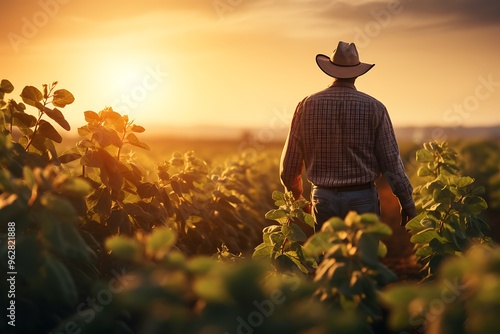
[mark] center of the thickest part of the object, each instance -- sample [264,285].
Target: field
[119,232]
[400,256]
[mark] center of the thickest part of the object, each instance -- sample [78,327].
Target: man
[346,140]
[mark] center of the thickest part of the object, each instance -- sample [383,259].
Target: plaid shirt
[344,137]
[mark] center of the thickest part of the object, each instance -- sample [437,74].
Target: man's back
[338,129]
[346,140]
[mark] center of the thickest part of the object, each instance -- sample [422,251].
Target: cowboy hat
[344,62]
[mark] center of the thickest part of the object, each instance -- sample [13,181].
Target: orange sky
[242,63]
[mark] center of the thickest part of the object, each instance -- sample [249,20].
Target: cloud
[319,18]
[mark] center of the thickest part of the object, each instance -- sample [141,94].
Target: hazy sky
[249,62]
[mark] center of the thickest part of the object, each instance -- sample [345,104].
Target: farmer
[346,140]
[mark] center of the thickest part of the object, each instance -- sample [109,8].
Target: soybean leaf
[6,86]
[133,140]
[69,157]
[47,130]
[104,136]
[147,190]
[137,128]
[277,215]
[57,116]
[278,195]
[75,186]
[424,156]
[159,242]
[124,248]
[100,201]
[62,97]
[31,95]
[91,116]
[23,120]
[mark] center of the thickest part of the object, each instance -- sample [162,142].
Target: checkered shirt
[343,137]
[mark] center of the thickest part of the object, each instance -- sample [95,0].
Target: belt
[347,188]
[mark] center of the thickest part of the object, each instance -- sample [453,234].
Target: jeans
[327,203]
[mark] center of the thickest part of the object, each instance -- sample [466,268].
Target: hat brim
[341,72]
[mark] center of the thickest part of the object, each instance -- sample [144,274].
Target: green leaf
[113,119]
[424,155]
[133,140]
[6,86]
[100,201]
[137,128]
[474,205]
[309,219]
[424,236]
[145,218]
[62,97]
[318,243]
[284,263]
[278,195]
[159,242]
[426,250]
[262,251]
[465,181]
[69,157]
[295,233]
[104,136]
[334,224]
[31,95]
[75,187]
[23,120]
[59,206]
[147,190]
[275,214]
[124,248]
[47,130]
[368,246]
[424,171]
[176,187]
[57,116]
[382,249]
[119,222]
[91,116]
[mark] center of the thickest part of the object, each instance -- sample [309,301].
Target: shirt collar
[343,84]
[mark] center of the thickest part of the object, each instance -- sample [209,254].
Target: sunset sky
[247,63]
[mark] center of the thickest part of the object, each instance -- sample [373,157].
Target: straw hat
[344,62]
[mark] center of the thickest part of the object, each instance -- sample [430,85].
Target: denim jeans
[327,203]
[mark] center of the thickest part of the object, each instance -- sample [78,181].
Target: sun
[124,74]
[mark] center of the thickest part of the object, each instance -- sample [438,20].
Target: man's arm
[392,167]
[292,160]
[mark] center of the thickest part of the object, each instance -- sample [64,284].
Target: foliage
[169,293]
[121,201]
[100,247]
[37,132]
[55,266]
[350,273]
[463,298]
[41,205]
[451,205]
[481,160]
[208,209]
[282,244]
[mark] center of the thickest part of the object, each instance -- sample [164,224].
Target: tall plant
[451,206]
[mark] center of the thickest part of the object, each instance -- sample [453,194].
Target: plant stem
[34,131]
[120,148]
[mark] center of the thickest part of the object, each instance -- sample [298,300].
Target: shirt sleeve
[292,159]
[390,163]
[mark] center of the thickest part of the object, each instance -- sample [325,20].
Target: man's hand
[407,215]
